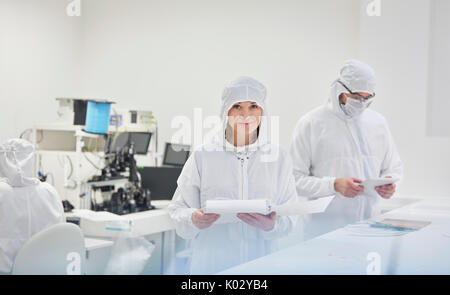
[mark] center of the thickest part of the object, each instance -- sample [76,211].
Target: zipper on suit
[242,179]
[244,196]
[242,250]
[244,165]
[358,148]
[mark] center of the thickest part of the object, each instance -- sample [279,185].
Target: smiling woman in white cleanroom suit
[238,164]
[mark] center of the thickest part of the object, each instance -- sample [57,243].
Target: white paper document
[370,184]
[264,206]
[319,205]
[261,206]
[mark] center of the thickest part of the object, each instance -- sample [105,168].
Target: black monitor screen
[176,154]
[161,181]
[141,141]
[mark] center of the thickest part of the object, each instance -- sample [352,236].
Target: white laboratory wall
[39,60]
[173,56]
[168,56]
[396,44]
[439,75]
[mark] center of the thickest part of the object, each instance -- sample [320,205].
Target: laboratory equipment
[175,154]
[67,153]
[141,141]
[161,181]
[80,109]
[97,116]
[72,110]
[121,166]
[131,119]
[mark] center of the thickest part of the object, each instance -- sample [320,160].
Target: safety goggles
[356,95]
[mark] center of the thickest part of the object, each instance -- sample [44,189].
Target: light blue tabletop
[354,249]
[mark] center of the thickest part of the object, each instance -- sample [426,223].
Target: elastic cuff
[188,217]
[332,180]
[195,230]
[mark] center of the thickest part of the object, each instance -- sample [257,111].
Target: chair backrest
[57,250]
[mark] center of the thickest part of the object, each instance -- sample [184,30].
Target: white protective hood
[240,90]
[358,77]
[16,162]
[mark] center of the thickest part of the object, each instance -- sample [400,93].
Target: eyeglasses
[356,95]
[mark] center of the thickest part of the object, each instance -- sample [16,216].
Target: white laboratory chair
[57,250]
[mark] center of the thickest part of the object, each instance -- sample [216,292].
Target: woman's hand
[264,222]
[202,220]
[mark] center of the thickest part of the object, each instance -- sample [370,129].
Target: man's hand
[386,191]
[264,222]
[202,220]
[347,187]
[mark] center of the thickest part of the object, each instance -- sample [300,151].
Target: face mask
[354,107]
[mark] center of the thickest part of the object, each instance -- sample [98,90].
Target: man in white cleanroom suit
[27,206]
[221,170]
[340,144]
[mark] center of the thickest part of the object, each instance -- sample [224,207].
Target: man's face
[344,96]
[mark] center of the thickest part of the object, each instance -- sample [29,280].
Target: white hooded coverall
[327,144]
[27,206]
[218,170]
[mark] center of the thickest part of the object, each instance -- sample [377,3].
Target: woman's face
[245,116]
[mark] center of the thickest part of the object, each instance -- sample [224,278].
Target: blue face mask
[354,108]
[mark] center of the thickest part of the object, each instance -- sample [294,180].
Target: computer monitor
[161,181]
[176,154]
[141,141]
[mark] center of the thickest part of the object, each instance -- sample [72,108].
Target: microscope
[130,198]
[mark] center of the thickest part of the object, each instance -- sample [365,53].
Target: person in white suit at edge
[239,163]
[340,144]
[27,206]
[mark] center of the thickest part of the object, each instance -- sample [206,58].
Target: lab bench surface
[155,225]
[94,224]
[353,251]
